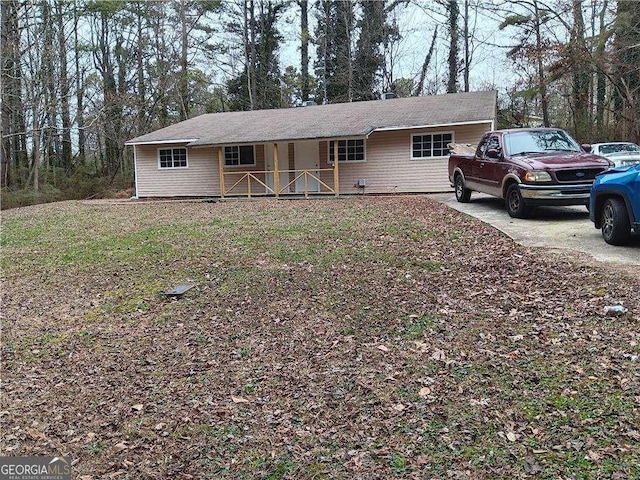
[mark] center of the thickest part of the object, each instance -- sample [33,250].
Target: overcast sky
[417,24]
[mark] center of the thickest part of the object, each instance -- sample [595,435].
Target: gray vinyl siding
[199,179]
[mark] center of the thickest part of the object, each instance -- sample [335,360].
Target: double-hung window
[351,150]
[172,157]
[239,155]
[427,145]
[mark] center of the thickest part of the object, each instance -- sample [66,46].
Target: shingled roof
[356,119]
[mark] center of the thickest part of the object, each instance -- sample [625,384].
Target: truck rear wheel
[616,228]
[463,194]
[514,202]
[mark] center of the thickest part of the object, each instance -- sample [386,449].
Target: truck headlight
[537,177]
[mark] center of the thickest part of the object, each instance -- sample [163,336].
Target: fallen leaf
[383,348]
[36,435]
[399,407]
[239,399]
[424,391]
[512,436]
[137,407]
[438,355]
[594,456]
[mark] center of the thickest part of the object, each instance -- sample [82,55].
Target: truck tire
[463,194]
[514,202]
[616,227]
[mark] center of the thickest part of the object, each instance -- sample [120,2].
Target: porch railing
[247,177]
[243,185]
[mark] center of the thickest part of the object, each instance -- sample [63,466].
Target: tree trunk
[544,100]
[601,82]
[184,64]
[427,60]
[253,57]
[626,71]
[141,81]
[581,76]
[79,90]
[467,53]
[36,156]
[49,135]
[10,88]
[65,114]
[453,10]
[304,49]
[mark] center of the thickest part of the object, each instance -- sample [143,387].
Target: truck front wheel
[463,194]
[514,203]
[616,228]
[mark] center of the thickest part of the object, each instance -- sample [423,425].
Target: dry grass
[353,338]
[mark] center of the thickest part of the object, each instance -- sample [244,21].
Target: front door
[283,164]
[306,158]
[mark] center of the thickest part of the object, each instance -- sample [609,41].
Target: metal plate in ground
[178,290]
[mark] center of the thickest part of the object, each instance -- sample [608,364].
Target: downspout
[336,176]
[276,171]
[220,172]
[135,171]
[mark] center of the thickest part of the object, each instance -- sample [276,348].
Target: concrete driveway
[566,229]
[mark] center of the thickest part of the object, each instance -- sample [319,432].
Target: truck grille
[578,175]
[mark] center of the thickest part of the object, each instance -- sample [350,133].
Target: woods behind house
[79,78]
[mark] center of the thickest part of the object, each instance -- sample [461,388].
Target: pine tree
[368,57]
[334,65]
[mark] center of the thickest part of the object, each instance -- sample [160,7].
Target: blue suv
[614,205]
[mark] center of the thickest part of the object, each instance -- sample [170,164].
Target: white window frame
[173,167]
[238,146]
[330,149]
[422,134]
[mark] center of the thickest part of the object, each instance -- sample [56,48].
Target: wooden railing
[243,186]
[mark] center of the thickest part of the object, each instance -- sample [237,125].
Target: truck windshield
[539,141]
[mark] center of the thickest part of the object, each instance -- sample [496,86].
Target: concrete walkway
[566,229]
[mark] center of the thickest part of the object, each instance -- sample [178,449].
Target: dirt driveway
[566,229]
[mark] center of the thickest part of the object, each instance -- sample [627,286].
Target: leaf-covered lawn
[352,338]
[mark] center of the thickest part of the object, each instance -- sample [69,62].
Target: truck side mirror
[493,153]
[586,147]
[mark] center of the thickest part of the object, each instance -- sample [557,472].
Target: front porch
[274,180]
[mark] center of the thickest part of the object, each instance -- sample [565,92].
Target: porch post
[221,171]
[276,172]
[336,177]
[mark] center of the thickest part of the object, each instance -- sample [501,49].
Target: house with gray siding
[386,146]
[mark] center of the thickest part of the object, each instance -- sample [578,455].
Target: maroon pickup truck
[527,167]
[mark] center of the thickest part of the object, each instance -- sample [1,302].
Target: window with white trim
[351,150]
[172,157]
[239,155]
[427,145]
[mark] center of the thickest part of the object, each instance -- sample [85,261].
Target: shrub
[28,196]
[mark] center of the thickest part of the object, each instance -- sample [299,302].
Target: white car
[620,153]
